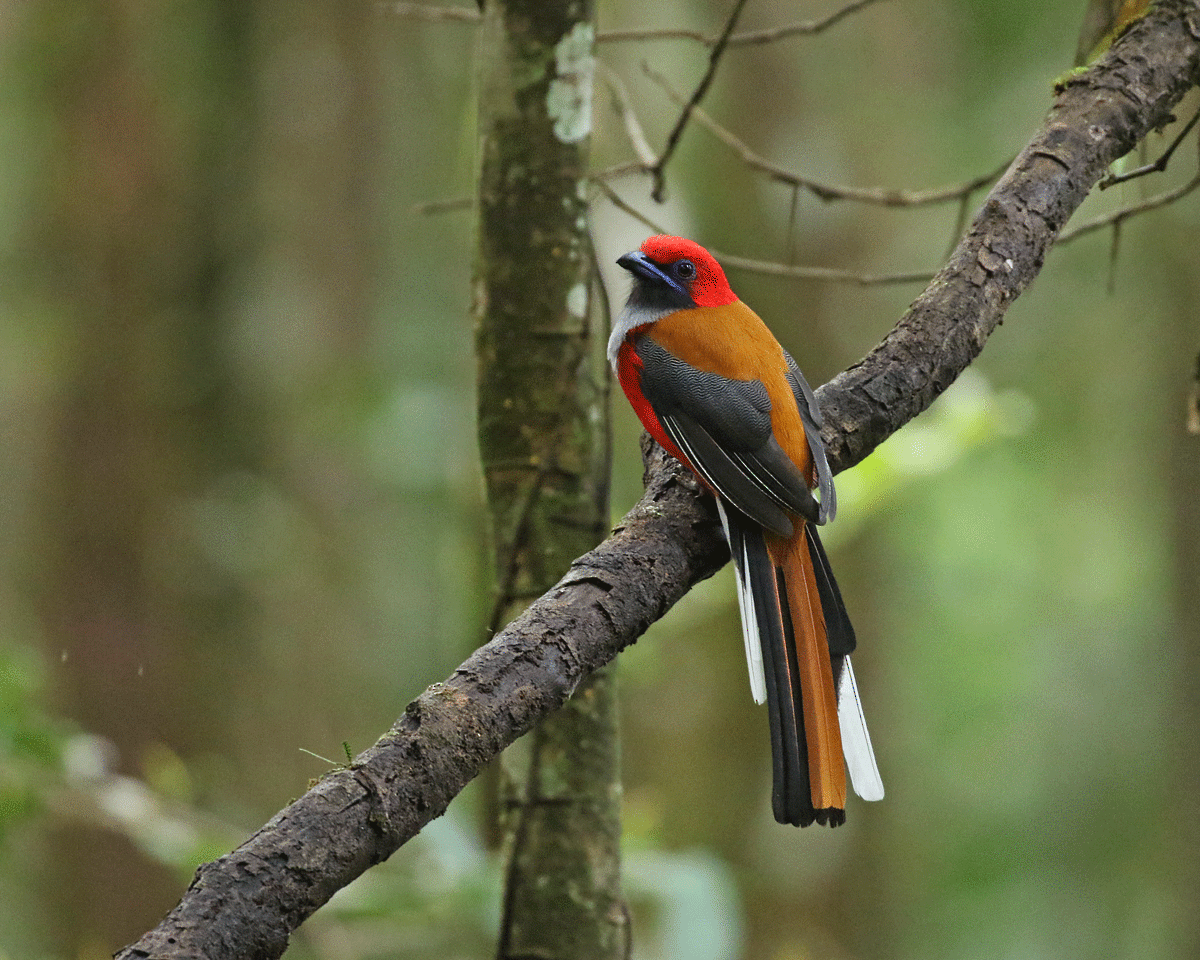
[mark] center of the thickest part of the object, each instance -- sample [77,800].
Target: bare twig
[615,199]
[506,597]
[960,221]
[750,37]
[793,218]
[1158,166]
[624,108]
[1119,216]
[774,269]
[618,170]
[820,273]
[714,59]
[882,196]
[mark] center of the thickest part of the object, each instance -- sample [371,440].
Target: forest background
[240,507]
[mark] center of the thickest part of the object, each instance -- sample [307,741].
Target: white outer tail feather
[856,742]
[754,657]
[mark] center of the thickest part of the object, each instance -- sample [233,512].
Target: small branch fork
[648,163]
[1117,217]
[1158,166]
[657,170]
[422,11]
[880,196]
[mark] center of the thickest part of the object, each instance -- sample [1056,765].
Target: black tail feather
[791,794]
[839,631]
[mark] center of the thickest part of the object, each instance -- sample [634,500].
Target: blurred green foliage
[30,739]
[239,502]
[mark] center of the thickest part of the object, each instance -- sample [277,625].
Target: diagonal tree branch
[1099,116]
[246,903]
[748,38]
[882,196]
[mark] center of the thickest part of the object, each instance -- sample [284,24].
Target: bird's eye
[685,270]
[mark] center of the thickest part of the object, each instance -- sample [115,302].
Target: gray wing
[723,427]
[810,414]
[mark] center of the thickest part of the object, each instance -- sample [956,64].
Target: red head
[669,274]
[682,266]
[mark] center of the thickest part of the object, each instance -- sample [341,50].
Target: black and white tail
[798,644]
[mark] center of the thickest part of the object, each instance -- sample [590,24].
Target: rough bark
[543,435]
[246,903]
[1099,116]
[562,894]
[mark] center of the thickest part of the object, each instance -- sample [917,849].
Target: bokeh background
[240,519]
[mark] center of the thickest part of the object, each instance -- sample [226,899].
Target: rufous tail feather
[826,770]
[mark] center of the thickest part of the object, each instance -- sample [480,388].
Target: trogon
[711,384]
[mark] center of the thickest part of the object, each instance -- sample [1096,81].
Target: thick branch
[1098,117]
[247,903]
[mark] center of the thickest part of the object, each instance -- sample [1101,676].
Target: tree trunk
[544,442]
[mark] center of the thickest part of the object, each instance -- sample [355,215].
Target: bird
[713,386]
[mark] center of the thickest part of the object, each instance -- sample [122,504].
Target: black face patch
[655,296]
[656,288]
